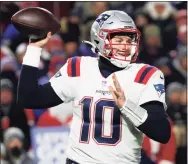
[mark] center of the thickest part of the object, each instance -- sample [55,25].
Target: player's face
[121,46]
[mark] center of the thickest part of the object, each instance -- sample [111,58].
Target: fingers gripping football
[117,93]
[41,43]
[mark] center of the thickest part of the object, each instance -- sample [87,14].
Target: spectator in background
[178,67]
[86,19]
[83,11]
[180,63]
[23,5]
[173,98]
[9,32]
[176,98]
[176,105]
[162,14]
[9,66]
[181,23]
[179,4]
[97,8]
[152,46]
[141,20]
[10,36]
[175,67]
[71,49]
[55,46]
[70,33]
[80,11]
[20,52]
[7,9]
[130,7]
[55,64]
[10,113]
[14,143]
[44,63]
[3,154]
[183,102]
[6,52]
[85,50]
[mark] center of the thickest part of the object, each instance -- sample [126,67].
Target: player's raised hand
[41,43]
[117,93]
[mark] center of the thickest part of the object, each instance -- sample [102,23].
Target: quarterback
[115,101]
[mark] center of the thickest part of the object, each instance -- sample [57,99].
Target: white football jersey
[99,134]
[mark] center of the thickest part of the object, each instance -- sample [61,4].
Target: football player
[115,101]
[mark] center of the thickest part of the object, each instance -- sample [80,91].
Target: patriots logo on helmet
[159,88]
[102,18]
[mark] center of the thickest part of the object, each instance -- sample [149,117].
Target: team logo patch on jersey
[159,88]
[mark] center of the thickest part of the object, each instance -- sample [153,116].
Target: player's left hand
[117,93]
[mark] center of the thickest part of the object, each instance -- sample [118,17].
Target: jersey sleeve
[63,82]
[154,89]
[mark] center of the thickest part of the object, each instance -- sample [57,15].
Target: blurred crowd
[163,26]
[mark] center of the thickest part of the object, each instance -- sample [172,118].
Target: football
[35,22]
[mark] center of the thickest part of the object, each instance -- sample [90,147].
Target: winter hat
[12,133]
[6,84]
[173,87]
[152,30]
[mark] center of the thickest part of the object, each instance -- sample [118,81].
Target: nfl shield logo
[104,83]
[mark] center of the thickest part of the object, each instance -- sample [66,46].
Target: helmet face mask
[128,51]
[116,24]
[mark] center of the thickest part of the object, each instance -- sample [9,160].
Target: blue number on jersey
[86,118]
[98,113]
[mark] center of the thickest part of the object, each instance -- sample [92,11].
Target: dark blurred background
[163,44]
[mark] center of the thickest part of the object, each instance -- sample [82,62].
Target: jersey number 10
[96,125]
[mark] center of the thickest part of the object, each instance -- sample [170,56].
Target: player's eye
[129,40]
[118,40]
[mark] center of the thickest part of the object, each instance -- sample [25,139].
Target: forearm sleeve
[32,95]
[157,125]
